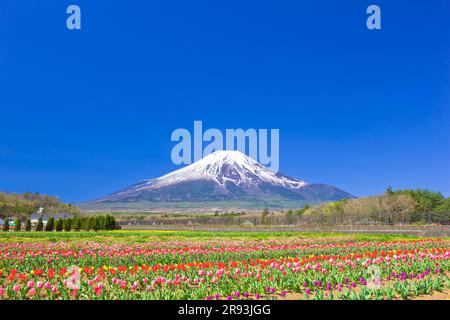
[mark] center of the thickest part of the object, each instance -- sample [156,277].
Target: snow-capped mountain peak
[223,175]
[224,165]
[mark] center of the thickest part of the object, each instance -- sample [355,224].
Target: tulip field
[199,266]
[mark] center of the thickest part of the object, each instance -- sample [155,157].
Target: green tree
[302,210]
[87,222]
[426,201]
[76,224]
[264,215]
[96,224]
[59,225]
[17,225]
[28,225]
[67,225]
[6,225]
[444,207]
[101,222]
[50,224]
[39,225]
[110,223]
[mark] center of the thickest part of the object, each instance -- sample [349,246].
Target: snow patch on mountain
[220,167]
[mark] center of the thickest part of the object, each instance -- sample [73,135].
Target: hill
[12,204]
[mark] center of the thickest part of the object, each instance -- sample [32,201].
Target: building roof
[36,216]
[64,215]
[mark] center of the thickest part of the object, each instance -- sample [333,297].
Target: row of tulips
[332,268]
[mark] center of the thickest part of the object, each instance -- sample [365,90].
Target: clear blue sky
[84,113]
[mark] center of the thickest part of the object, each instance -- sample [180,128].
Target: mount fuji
[225,176]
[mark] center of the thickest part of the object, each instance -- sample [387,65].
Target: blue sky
[84,113]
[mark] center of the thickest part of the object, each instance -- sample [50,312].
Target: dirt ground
[444,295]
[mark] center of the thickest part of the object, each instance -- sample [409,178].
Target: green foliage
[426,201]
[110,223]
[392,207]
[94,223]
[444,207]
[6,225]
[77,224]
[28,225]
[28,203]
[50,224]
[104,222]
[17,225]
[39,225]
[59,225]
[302,210]
[67,224]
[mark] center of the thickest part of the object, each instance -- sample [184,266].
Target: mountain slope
[225,176]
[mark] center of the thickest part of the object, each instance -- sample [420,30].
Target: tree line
[95,223]
[392,207]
